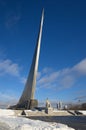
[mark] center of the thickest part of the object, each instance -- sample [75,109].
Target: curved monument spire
[27,99]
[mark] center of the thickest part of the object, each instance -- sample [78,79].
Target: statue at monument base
[48,108]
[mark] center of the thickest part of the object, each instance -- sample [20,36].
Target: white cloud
[23,80]
[49,78]
[62,79]
[46,70]
[38,75]
[12,69]
[8,67]
[67,81]
[6,96]
[80,67]
[7,99]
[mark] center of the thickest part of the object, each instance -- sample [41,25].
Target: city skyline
[62,62]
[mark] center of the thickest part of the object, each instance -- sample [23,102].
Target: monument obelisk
[27,100]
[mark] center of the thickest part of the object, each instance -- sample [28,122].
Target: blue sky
[62,64]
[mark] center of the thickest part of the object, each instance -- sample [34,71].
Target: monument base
[32,103]
[49,110]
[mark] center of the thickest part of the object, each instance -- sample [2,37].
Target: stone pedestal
[30,104]
[49,110]
[33,104]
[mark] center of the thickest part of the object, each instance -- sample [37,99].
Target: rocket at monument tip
[42,19]
[43,13]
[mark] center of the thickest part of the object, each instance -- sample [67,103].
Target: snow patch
[83,112]
[10,122]
[21,123]
[6,112]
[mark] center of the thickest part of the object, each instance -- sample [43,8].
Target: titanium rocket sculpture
[27,100]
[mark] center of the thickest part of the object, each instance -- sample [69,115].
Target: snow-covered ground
[83,112]
[6,112]
[8,121]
